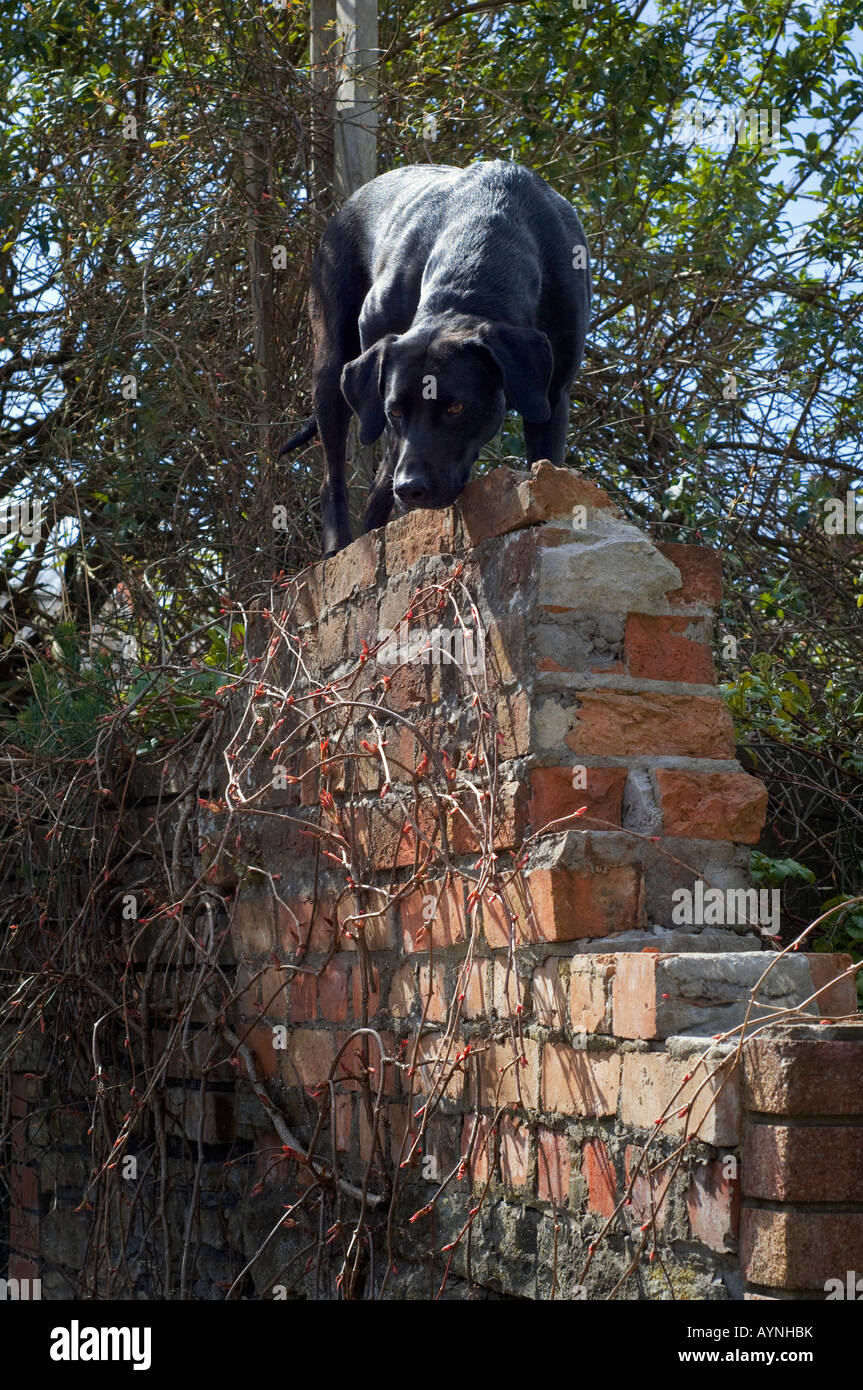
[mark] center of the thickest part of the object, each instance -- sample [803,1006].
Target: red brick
[579,1083]
[478,1164]
[304,597]
[260,1043]
[433,1062]
[375,922]
[374,990]
[500,1082]
[712,805]
[803,1164]
[657,649]
[304,922]
[507,990]
[610,723]
[553,797]
[700,570]
[713,1206]
[839,998]
[803,1076]
[433,992]
[435,912]
[271,1163]
[343,1109]
[420,533]
[634,995]
[477,997]
[23,1232]
[514,1147]
[24,1183]
[252,923]
[504,500]
[799,1249]
[549,995]
[275,984]
[21,1269]
[364,1132]
[512,722]
[553,1167]
[570,904]
[590,984]
[598,1171]
[467,831]
[304,998]
[403,991]
[653,1083]
[333,991]
[649,1192]
[352,570]
[351,1061]
[309,1057]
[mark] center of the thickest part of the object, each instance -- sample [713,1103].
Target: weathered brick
[333,991]
[649,1192]
[514,1150]
[261,1043]
[419,533]
[475,1138]
[403,991]
[613,723]
[304,998]
[799,1249]
[477,995]
[834,999]
[553,797]
[308,1058]
[432,988]
[590,984]
[352,570]
[505,500]
[713,1206]
[549,996]
[803,1075]
[811,1163]
[571,904]
[579,1083]
[553,1167]
[434,913]
[373,986]
[659,649]
[653,1082]
[598,1171]
[712,805]
[499,1081]
[507,990]
[24,1184]
[432,1062]
[305,922]
[701,572]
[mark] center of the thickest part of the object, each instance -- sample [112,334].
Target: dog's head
[441,391]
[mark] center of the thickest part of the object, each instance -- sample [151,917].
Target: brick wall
[447,895]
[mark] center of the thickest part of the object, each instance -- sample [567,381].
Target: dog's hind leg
[336,340]
[548,441]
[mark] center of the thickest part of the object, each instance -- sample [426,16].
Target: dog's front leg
[548,441]
[380,502]
[333,417]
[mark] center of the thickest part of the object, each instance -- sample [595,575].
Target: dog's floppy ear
[524,358]
[362,388]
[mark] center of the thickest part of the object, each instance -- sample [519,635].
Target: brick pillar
[802,1225]
[24,1196]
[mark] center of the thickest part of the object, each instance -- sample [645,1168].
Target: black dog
[439,297]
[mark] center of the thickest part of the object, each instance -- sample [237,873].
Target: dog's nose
[412,492]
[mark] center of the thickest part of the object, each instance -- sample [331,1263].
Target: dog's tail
[309,430]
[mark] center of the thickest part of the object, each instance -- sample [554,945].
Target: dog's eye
[395,412]
[455,408]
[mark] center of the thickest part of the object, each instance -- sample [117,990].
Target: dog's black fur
[440,297]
